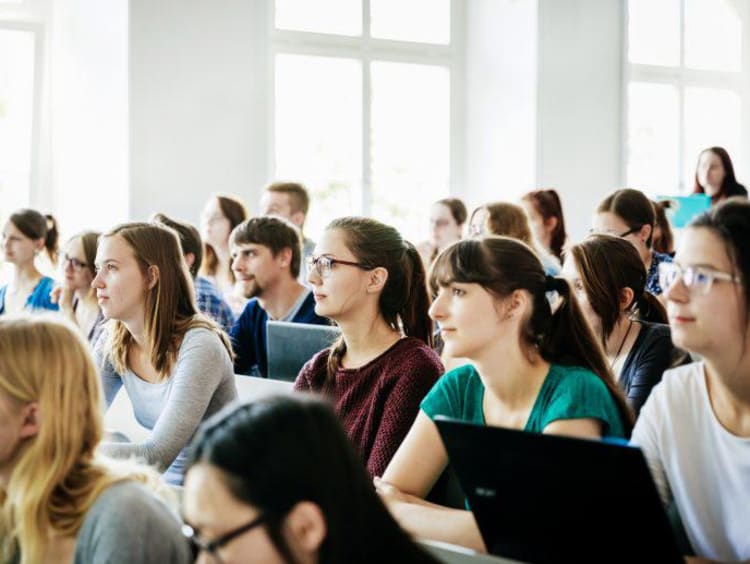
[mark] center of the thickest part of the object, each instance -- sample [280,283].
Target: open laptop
[685,208]
[291,345]
[547,498]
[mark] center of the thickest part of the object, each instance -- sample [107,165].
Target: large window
[685,89]
[362,106]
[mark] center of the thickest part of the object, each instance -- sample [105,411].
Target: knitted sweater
[378,402]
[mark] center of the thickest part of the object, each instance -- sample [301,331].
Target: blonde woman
[174,363]
[59,500]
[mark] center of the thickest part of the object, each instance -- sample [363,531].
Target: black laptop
[547,498]
[291,345]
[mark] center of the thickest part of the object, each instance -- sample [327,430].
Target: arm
[201,363]
[241,336]
[648,372]
[587,428]
[111,380]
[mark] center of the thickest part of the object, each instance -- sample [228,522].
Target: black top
[652,354]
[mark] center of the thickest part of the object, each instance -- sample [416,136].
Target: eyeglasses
[198,544]
[323,265]
[697,279]
[74,262]
[621,235]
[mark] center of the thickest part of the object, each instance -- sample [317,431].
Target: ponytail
[51,240]
[415,318]
[651,309]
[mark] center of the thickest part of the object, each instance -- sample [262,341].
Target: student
[220,215]
[76,298]
[60,500]
[608,278]
[695,427]
[510,220]
[307,499]
[175,363]
[372,284]
[629,214]
[530,369]
[25,235]
[546,217]
[291,201]
[266,262]
[714,176]
[447,219]
[663,238]
[209,299]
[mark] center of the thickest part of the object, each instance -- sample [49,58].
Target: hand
[63,297]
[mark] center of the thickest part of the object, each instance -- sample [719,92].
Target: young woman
[175,363]
[546,217]
[220,215]
[714,176]
[663,238]
[307,499]
[530,369]
[76,297]
[61,501]
[372,284]
[629,214]
[26,234]
[695,427]
[608,278]
[510,220]
[447,218]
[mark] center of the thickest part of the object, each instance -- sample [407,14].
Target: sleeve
[401,406]
[646,436]
[201,364]
[444,398]
[111,380]
[653,360]
[224,316]
[241,335]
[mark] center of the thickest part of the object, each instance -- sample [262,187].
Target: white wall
[579,103]
[198,119]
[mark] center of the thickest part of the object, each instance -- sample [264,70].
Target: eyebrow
[699,265]
[105,261]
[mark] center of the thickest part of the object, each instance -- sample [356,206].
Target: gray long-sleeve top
[201,383]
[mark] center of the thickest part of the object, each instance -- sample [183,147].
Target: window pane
[712,118]
[426,21]
[712,35]
[654,32]
[318,130]
[16,116]
[410,143]
[653,138]
[340,17]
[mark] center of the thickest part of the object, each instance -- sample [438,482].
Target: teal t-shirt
[568,392]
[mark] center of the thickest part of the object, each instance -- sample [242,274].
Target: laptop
[291,345]
[685,208]
[547,498]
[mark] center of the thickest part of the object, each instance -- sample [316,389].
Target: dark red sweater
[378,402]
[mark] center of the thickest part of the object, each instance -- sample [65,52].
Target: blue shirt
[39,298]
[652,280]
[248,334]
[212,304]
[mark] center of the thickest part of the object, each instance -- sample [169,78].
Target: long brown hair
[502,265]
[633,207]
[170,307]
[37,226]
[729,186]
[547,204]
[664,243]
[236,213]
[404,301]
[607,265]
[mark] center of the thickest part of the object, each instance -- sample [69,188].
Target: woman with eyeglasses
[174,363]
[447,218]
[629,214]
[694,429]
[26,234]
[371,282]
[546,218]
[609,280]
[76,298]
[306,499]
[60,499]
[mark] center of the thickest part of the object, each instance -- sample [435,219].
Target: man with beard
[266,260]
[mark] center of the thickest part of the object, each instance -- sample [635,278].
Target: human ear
[30,424]
[152,276]
[306,525]
[378,278]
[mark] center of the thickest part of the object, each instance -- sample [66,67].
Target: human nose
[437,308]
[97,282]
[676,290]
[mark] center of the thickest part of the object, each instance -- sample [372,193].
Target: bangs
[461,262]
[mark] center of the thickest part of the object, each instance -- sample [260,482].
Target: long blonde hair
[57,475]
[170,307]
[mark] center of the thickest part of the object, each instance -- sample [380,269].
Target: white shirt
[697,463]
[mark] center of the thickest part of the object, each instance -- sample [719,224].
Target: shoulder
[201,336]
[680,387]
[655,334]
[566,379]
[658,258]
[46,284]
[312,374]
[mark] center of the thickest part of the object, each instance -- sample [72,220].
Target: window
[362,106]
[684,90]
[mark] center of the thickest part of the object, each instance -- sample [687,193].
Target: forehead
[700,245]
[113,247]
[609,220]
[710,157]
[10,229]
[479,215]
[207,500]
[276,199]
[213,207]
[333,243]
[257,247]
[440,211]
[74,246]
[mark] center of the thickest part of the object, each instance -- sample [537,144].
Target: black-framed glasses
[323,265]
[630,231]
[212,547]
[77,265]
[697,279]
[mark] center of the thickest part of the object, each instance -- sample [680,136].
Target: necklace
[622,344]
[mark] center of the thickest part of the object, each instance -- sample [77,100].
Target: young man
[266,258]
[207,295]
[291,201]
